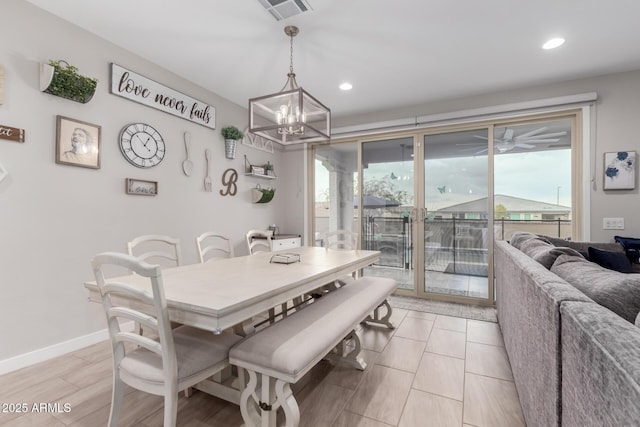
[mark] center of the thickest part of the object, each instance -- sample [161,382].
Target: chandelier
[291,116]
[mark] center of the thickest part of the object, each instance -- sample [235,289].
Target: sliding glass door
[456,189]
[388,212]
[335,189]
[433,202]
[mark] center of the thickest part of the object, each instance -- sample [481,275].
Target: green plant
[231,132]
[268,167]
[267,195]
[67,83]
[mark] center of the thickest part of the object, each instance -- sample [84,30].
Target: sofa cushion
[617,261]
[549,255]
[534,246]
[543,252]
[583,246]
[519,237]
[618,292]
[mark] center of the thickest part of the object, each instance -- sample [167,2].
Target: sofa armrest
[600,367]
[528,298]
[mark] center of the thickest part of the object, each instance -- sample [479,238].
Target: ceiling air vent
[283,9]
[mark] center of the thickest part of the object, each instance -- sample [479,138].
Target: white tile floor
[432,370]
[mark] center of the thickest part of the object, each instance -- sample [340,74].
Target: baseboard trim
[46,353]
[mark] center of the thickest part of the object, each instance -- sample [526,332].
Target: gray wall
[54,218]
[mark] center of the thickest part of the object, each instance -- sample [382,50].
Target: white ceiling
[395,53]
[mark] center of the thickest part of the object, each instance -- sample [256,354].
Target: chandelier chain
[291,56]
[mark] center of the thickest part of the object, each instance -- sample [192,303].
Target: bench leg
[288,402]
[274,394]
[248,402]
[385,320]
[354,358]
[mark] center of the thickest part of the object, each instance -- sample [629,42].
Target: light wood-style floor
[432,370]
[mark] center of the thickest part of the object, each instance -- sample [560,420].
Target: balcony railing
[451,245]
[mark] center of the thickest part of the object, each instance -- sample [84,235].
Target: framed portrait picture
[620,170]
[77,143]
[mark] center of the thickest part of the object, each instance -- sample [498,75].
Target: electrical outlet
[613,223]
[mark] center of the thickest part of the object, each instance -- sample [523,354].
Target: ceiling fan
[510,140]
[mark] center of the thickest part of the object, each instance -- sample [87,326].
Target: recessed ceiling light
[346,86]
[553,43]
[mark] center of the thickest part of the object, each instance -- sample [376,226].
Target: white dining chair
[259,241]
[340,239]
[176,360]
[157,248]
[212,245]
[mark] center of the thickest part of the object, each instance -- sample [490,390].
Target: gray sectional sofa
[575,362]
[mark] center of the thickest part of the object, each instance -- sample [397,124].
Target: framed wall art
[141,187]
[620,170]
[77,143]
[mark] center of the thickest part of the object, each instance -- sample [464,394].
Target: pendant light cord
[291,83]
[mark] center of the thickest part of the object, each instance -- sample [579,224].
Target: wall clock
[142,145]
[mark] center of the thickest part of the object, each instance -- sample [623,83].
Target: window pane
[532,179]
[335,189]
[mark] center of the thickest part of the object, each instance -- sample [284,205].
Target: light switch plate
[613,223]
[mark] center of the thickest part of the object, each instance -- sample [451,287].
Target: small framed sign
[11,134]
[258,170]
[141,187]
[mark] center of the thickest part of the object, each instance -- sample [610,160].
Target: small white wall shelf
[259,175]
[254,170]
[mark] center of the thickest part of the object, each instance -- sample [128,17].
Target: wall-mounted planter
[262,195]
[230,148]
[61,79]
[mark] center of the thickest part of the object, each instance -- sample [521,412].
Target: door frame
[580,161]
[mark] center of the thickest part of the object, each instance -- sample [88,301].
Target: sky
[544,176]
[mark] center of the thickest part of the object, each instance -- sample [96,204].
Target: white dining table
[226,293]
[220,294]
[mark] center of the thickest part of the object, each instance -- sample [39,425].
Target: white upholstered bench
[285,351]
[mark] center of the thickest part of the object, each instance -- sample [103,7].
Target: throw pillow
[519,237]
[638,320]
[583,246]
[549,255]
[534,246]
[618,292]
[617,261]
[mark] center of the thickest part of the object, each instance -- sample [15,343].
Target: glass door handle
[413,214]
